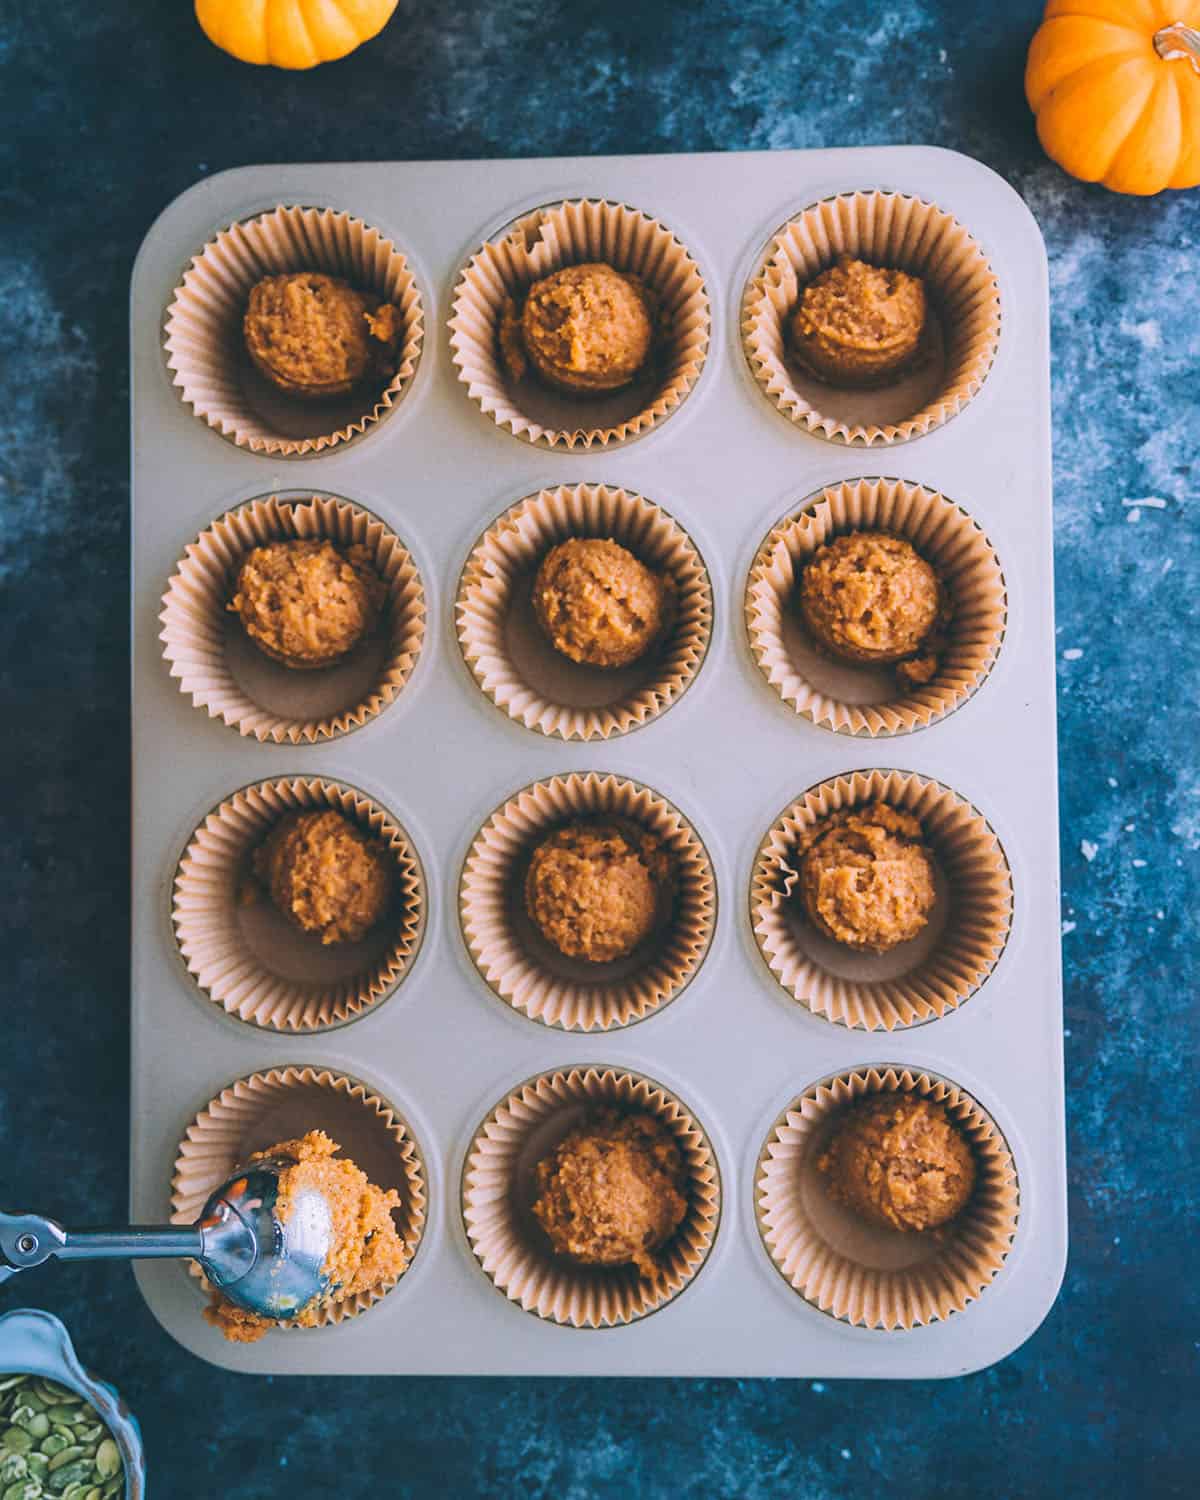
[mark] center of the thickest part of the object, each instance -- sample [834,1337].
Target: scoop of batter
[900,1161]
[366,1253]
[592,889]
[304,603]
[598,604]
[326,875]
[315,336]
[584,329]
[871,597]
[859,325]
[866,877]
[612,1192]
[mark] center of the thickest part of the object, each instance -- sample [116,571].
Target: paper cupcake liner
[867,1275]
[221,670]
[523,969]
[919,980]
[499,1187]
[886,229]
[867,700]
[283,1104]
[247,957]
[508,653]
[545,240]
[205,351]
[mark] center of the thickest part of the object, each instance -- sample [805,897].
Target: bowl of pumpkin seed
[64,1435]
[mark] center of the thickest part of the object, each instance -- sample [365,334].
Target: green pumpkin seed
[38,1464]
[16,1440]
[108,1459]
[67,1456]
[13,1466]
[53,1444]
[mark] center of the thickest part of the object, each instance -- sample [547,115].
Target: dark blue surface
[108,111]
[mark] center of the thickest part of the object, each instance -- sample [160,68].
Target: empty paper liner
[205,346]
[250,959]
[514,661]
[516,961]
[865,1274]
[867,699]
[543,241]
[499,1188]
[916,981]
[283,1104]
[219,667]
[898,232]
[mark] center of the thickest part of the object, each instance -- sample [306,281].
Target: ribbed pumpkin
[1115,86]
[292,33]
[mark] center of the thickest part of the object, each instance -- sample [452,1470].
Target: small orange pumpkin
[292,33]
[1115,86]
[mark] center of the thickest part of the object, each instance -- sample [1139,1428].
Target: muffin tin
[442,1048]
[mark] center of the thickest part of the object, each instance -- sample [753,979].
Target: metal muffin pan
[443,1049]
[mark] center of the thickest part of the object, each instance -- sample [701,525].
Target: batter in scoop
[367,1253]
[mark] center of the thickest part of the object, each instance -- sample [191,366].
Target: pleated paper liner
[522,968]
[861,1273]
[545,240]
[205,348]
[919,980]
[853,697]
[499,1187]
[282,1104]
[510,655]
[224,673]
[247,957]
[901,233]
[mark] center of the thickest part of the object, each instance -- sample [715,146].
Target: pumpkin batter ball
[592,889]
[366,1254]
[585,329]
[866,877]
[612,1192]
[326,875]
[598,604]
[304,603]
[900,1161]
[315,336]
[870,597]
[859,325]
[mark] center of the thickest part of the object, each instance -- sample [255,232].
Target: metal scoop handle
[224,1246]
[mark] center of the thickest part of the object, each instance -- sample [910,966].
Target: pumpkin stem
[1178,41]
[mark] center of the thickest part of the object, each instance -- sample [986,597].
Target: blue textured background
[107,111]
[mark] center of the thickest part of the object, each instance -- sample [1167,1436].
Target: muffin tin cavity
[499,1188]
[852,697]
[247,957]
[523,969]
[899,232]
[533,246]
[222,671]
[206,352]
[510,655]
[919,980]
[870,1276]
[283,1104]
